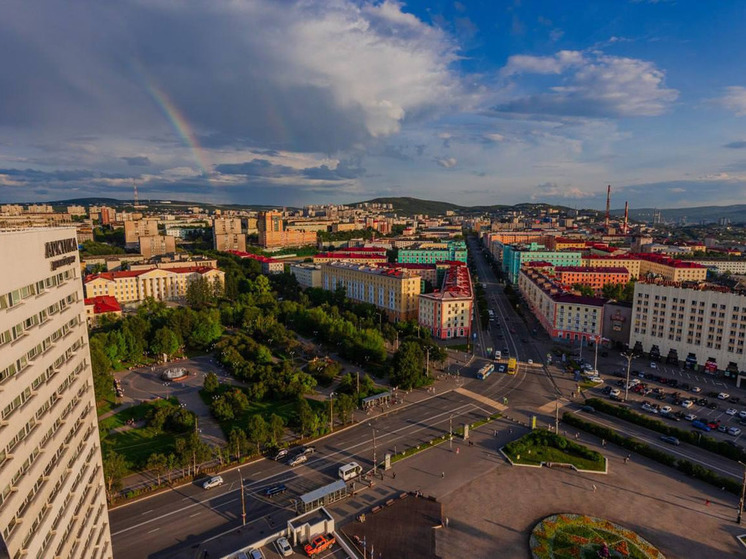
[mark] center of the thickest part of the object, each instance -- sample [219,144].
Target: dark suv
[278,489]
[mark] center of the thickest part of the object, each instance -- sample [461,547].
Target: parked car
[308,450]
[653,365]
[214,481]
[735,431]
[588,409]
[283,547]
[701,425]
[666,409]
[731,411]
[319,544]
[256,554]
[687,404]
[615,392]
[281,455]
[723,396]
[671,440]
[723,428]
[690,417]
[696,389]
[734,399]
[713,424]
[742,414]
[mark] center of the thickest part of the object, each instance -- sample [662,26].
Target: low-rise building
[395,291]
[307,274]
[163,284]
[447,313]
[735,266]
[353,257]
[269,265]
[670,268]
[155,245]
[515,255]
[631,263]
[96,307]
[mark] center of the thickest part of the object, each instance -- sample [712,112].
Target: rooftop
[592,270]
[135,273]
[103,304]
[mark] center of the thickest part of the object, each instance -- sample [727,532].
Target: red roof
[592,270]
[111,276]
[103,304]
[350,256]
[666,260]
[257,257]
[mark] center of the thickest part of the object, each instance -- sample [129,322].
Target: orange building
[272,232]
[595,277]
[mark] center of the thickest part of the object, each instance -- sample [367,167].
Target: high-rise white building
[52,495]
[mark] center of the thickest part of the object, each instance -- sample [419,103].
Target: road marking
[195,514]
[147,511]
[153,530]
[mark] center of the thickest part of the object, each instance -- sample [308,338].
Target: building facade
[515,255]
[431,254]
[448,312]
[307,275]
[52,495]
[595,278]
[133,230]
[670,268]
[156,245]
[704,324]
[227,234]
[392,290]
[563,315]
[163,284]
[632,264]
[272,232]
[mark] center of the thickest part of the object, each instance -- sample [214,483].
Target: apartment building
[156,245]
[307,275]
[631,263]
[269,265]
[563,315]
[135,229]
[595,278]
[163,284]
[430,253]
[227,234]
[447,313]
[353,257]
[670,268]
[393,290]
[515,255]
[703,323]
[52,495]
[722,266]
[273,234]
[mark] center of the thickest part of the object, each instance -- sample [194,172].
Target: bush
[684,466]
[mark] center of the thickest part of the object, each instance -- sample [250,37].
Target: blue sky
[295,102]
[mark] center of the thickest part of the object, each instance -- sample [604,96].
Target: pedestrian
[496,432]
[577,436]
[457,450]
[594,487]
[446,522]
[707,502]
[442,475]
[393,475]
[603,442]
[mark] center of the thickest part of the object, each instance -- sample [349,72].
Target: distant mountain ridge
[735,213]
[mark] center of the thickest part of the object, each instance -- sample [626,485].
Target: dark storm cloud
[256,168]
[137,161]
[739,144]
[33,175]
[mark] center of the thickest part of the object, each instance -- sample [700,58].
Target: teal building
[516,255]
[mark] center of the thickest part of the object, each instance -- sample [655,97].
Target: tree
[257,431]
[276,428]
[199,292]
[158,463]
[207,328]
[222,409]
[344,404]
[103,380]
[585,290]
[306,418]
[115,467]
[211,383]
[238,442]
[407,367]
[164,341]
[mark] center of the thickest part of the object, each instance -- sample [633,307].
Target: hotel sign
[58,248]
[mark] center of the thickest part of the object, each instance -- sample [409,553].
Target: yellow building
[631,263]
[159,283]
[392,290]
[670,268]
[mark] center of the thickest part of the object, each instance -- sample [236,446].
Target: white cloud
[494,137]
[554,190]
[735,99]
[447,162]
[592,84]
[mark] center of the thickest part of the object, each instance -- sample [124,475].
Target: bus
[350,471]
[512,365]
[485,371]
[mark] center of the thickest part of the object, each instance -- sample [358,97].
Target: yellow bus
[512,363]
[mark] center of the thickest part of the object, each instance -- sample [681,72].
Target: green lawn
[542,446]
[138,413]
[105,406]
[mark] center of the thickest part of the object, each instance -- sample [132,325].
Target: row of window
[20,329]
[16,297]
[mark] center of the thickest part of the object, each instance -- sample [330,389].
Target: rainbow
[180,125]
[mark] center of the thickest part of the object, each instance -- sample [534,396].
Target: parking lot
[679,396]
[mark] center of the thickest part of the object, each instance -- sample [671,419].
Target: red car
[319,544]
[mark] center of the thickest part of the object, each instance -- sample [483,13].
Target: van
[350,471]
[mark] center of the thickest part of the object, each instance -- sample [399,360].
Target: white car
[731,411]
[283,547]
[214,481]
[696,389]
[300,459]
[615,392]
[690,417]
[653,365]
[742,414]
[596,380]
[735,431]
[723,396]
[666,409]
[687,404]
[530,361]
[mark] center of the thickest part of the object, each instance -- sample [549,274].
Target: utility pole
[450,432]
[358,381]
[331,412]
[427,361]
[556,417]
[743,493]
[595,358]
[628,357]
[243,502]
[375,461]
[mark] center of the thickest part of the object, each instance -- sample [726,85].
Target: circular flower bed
[576,536]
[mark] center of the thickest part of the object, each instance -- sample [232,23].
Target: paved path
[483,399]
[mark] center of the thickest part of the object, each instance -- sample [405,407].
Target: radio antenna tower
[137,200]
[608,204]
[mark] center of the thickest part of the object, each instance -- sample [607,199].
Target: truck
[512,365]
[485,371]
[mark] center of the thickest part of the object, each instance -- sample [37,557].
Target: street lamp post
[743,493]
[450,432]
[243,502]
[331,412]
[427,362]
[375,462]
[629,357]
[595,358]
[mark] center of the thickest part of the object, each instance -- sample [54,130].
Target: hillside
[735,213]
